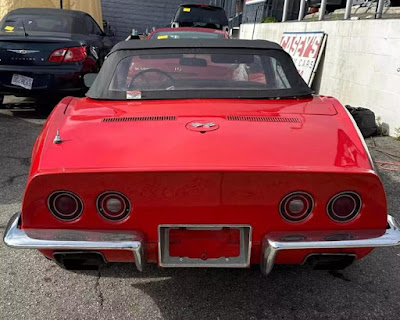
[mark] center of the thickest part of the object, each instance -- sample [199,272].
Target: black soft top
[196,43]
[124,50]
[47,11]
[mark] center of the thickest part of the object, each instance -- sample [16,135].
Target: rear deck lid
[218,134]
[32,50]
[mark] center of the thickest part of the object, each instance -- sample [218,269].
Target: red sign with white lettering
[305,49]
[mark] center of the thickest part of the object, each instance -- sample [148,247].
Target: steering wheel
[143,79]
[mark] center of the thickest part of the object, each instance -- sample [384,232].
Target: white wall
[361,65]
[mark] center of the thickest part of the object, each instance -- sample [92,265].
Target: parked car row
[47,52]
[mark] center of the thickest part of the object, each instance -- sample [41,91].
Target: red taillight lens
[344,206]
[58,55]
[296,206]
[113,206]
[65,205]
[74,54]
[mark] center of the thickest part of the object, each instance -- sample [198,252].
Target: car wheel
[1,100]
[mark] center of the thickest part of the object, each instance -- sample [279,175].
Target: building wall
[125,15]
[361,66]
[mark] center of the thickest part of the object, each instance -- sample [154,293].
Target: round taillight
[296,206]
[65,205]
[113,206]
[344,206]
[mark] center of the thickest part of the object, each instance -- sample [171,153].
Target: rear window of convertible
[198,73]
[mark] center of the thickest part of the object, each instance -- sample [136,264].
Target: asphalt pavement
[32,287]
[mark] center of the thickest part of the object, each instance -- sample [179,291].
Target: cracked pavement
[32,287]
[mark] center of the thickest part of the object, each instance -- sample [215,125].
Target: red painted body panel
[234,175]
[319,142]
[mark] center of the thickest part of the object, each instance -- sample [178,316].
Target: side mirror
[109,31]
[89,78]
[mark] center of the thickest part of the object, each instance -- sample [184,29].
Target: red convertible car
[194,167]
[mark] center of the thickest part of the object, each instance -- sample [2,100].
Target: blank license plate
[204,246]
[22,81]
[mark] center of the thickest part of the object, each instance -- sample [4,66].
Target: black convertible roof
[195,43]
[46,11]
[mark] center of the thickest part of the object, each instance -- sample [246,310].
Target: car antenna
[23,26]
[57,138]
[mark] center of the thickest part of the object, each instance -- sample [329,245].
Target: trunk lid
[248,135]
[32,50]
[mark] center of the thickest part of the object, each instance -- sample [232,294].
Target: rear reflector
[296,206]
[73,54]
[344,206]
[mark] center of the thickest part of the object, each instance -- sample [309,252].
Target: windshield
[39,23]
[186,35]
[204,74]
[201,16]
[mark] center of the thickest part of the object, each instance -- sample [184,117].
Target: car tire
[1,100]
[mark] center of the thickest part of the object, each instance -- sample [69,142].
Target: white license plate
[22,81]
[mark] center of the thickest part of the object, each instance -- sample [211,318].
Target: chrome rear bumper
[53,239]
[74,240]
[274,243]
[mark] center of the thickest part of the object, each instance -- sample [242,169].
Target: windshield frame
[100,88]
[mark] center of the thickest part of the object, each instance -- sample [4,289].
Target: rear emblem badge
[24,51]
[202,126]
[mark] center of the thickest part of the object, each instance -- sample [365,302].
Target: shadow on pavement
[290,292]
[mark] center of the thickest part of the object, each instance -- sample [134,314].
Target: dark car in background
[200,15]
[44,53]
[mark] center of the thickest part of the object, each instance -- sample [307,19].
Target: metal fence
[322,10]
